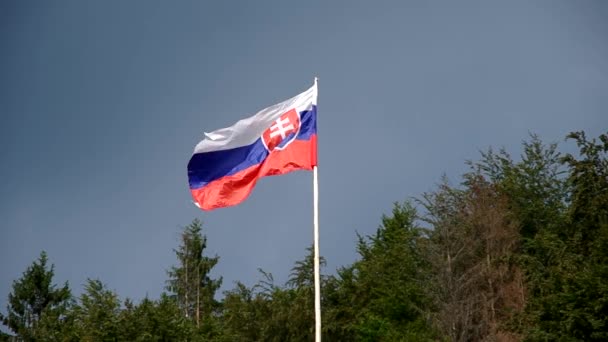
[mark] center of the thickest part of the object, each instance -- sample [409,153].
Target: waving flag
[279,139]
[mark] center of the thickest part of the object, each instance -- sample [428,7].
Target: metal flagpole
[316,250]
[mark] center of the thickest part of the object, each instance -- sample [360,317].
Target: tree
[33,296]
[588,213]
[561,203]
[190,281]
[244,314]
[535,187]
[150,320]
[267,312]
[478,285]
[381,297]
[96,314]
[296,301]
[571,298]
[536,191]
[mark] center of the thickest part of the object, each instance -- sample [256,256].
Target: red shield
[282,131]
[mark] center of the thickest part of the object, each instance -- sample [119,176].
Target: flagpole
[316,251]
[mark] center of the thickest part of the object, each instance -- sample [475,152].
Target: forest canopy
[516,250]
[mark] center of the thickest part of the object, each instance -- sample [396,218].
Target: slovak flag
[279,139]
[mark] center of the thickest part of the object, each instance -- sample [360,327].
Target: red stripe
[232,190]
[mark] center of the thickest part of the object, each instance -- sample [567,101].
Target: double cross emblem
[281,127]
[282,132]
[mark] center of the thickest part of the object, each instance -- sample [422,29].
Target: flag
[226,165]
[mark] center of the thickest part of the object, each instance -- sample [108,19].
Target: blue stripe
[209,166]
[206,167]
[308,124]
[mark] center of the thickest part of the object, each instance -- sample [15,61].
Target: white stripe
[247,131]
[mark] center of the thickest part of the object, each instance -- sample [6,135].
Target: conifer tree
[33,295]
[190,280]
[97,313]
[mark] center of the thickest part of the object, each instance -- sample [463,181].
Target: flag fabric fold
[226,165]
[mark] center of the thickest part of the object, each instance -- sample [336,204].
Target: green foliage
[570,298]
[535,186]
[33,298]
[154,321]
[388,298]
[562,204]
[5,337]
[97,313]
[281,313]
[243,312]
[518,251]
[190,282]
[588,179]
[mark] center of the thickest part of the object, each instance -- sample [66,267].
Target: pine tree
[389,281]
[190,281]
[576,307]
[34,295]
[97,313]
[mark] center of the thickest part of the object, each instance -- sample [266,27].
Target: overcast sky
[102,103]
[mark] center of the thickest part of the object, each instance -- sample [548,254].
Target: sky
[102,103]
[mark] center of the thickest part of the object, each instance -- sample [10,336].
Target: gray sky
[102,102]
